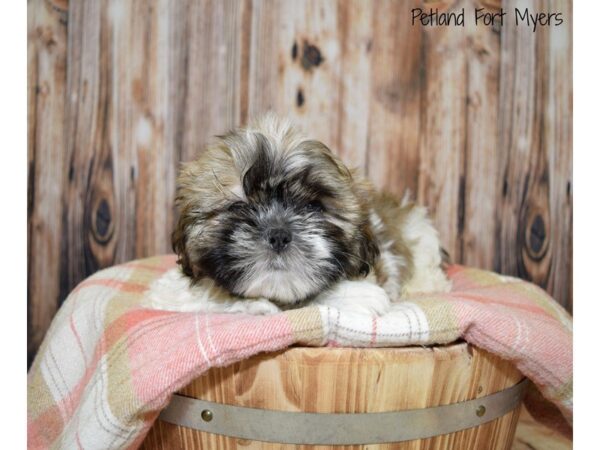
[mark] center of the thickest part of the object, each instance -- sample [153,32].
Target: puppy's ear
[368,250]
[368,245]
[178,241]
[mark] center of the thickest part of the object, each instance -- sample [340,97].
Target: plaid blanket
[108,365]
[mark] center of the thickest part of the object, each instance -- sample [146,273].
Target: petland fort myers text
[483,17]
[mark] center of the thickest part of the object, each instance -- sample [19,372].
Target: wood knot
[536,237]
[102,220]
[300,98]
[42,89]
[311,56]
[46,36]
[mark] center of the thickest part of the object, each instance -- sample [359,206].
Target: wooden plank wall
[475,121]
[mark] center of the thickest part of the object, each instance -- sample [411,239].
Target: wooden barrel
[347,380]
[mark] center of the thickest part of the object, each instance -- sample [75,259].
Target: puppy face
[267,213]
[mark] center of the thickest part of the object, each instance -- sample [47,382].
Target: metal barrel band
[288,427]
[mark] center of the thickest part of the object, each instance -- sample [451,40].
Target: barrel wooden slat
[343,380]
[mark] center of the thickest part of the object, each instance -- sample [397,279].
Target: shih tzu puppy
[271,220]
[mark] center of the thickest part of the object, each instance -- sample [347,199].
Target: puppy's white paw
[361,297]
[260,307]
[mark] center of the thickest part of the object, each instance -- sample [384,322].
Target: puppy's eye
[236,206]
[315,206]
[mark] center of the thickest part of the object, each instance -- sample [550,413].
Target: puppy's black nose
[279,238]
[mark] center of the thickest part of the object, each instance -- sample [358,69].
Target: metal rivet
[206,415]
[480,411]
